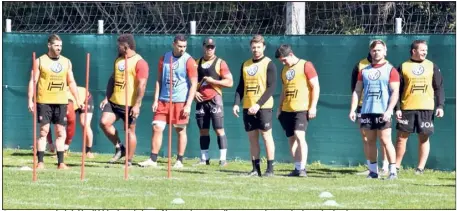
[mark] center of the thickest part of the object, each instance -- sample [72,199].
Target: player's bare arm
[394,89]
[73,87]
[315,87]
[109,91]
[34,76]
[158,84]
[226,81]
[355,99]
[141,88]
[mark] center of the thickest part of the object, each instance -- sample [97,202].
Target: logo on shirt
[175,65]
[121,66]
[290,74]
[374,75]
[418,70]
[206,65]
[56,67]
[252,70]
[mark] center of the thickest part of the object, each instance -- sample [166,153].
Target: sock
[204,154]
[257,167]
[40,155]
[153,157]
[253,165]
[392,168]
[223,154]
[368,162]
[204,142]
[59,157]
[373,166]
[88,149]
[222,141]
[270,165]
[385,165]
[297,166]
[302,165]
[180,158]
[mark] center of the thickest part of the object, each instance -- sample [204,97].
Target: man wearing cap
[213,75]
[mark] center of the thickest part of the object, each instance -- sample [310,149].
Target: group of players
[411,91]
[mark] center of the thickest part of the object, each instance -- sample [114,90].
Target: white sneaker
[178,165]
[147,163]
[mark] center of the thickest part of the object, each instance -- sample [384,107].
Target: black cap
[209,41]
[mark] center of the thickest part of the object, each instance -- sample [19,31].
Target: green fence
[332,138]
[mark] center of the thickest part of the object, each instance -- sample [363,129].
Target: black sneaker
[419,171]
[252,173]
[120,153]
[268,173]
[298,173]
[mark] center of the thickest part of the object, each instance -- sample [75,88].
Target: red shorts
[162,111]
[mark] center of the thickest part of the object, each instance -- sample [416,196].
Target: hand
[186,111]
[154,106]
[312,112]
[81,105]
[103,103]
[31,105]
[352,116]
[387,116]
[398,114]
[209,79]
[253,109]
[236,109]
[439,112]
[198,97]
[135,111]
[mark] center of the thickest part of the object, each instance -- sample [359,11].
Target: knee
[205,132]
[158,128]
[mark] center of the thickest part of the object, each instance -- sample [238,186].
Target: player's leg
[59,119]
[71,125]
[217,117]
[385,160]
[132,139]
[202,117]
[89,132]
[158,126]
[265,122]
[44,115]
[51,147]
[426,129]
[367,124]
[180,125]
[300,126]
[106,124]
[385,135]
[363,135]
[250,126]
[288,125]
[404,127]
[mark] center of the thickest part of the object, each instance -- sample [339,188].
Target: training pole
[170,117]
[34,69]
[126,122]
[86,100]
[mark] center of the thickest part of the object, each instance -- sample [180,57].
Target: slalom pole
[126,122]
[170,117]
[35,161]
[86,100]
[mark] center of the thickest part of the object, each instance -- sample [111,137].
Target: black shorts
[291,121]
[260,121]
[90,106]
[52,113]
[417,121]
[119,111]
[373,122]
[210,110]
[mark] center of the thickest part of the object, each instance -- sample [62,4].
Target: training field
[211,187]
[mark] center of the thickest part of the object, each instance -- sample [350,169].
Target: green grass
[211,187]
